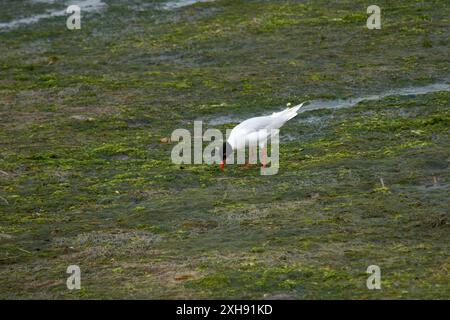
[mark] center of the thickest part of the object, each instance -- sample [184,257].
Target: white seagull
[256,130]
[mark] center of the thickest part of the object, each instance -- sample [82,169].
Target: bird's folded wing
[274,121]
[255,124]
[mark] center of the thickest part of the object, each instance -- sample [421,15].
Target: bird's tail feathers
[289,113]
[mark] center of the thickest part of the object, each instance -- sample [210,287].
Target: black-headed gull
[256,131]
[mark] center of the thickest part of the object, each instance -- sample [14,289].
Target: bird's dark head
[226,151]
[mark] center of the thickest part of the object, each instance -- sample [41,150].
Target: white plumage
[258,129]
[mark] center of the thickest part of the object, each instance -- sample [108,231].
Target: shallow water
[170,5]
[346,103]
[85,5]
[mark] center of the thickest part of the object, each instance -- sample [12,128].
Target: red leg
[264,156]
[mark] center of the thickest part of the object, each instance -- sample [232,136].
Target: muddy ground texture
[86,176]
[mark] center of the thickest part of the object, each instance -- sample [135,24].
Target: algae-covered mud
[86,176]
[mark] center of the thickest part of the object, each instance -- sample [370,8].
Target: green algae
[88,180]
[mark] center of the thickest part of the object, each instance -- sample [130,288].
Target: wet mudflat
[86,176]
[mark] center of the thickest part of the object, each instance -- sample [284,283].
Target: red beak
[222,165]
